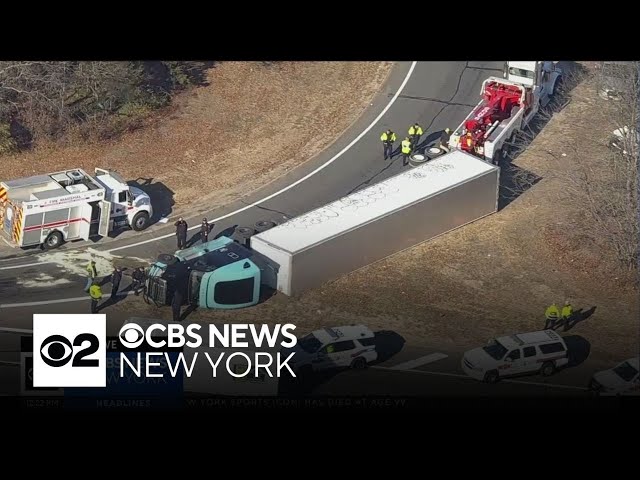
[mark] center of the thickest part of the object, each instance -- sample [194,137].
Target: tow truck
[508,105]
[50,209]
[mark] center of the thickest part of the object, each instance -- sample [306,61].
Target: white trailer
[508,105]
[407,209]
[69,205]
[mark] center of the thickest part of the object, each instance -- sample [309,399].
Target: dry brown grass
[251,124]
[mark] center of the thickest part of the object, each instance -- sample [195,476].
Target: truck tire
[167,259]
[418,159]
[359,363]
[264,225]
[242,235]
[548,369]
[54,240]
[140,221]
[433,152]
[491,376]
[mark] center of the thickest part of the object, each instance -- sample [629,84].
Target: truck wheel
[140,221]
[359,363]
[433,152]
[548,369]
[264,225]
[54,240]
[167,259]
[491,376]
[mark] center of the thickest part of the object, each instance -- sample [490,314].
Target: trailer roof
[376,201]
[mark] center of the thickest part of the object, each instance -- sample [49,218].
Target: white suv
[623,379]
[337,347]
[524,353]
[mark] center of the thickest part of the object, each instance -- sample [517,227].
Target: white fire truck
[69,205]
[508,105]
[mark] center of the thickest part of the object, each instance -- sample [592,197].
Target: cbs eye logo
[69,350]
[131,335]
[57,351]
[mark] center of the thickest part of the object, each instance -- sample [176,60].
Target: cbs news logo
[69,350]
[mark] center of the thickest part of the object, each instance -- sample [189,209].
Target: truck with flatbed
[507,106]
[50,209]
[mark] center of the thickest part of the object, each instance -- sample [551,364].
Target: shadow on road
[579,316]
[578,349]
[388,343]
[227,232]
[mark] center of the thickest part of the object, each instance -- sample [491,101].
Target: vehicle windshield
[310,344]
[519,72]
[495,349]
[626,371]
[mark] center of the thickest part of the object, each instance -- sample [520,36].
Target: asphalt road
[437,95]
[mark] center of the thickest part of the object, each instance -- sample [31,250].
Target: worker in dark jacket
[444,139]
[116,278]
[181,233]
[138,280]
[406,151]
[205,228]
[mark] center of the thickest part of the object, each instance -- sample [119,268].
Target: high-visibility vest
[384,137]
[567,311]
[406,147]
[552,312]
[91,269]
[413,130]
[96,292]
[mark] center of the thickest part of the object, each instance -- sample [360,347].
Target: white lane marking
[61,300]
[459,375]
[410,365]
[25,265]
[297,182]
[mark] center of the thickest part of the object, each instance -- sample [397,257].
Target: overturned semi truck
[417,205]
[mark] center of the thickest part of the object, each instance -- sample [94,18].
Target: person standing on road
[406,151]
[181,233]
[444,139]
[116,278]
[95,292]
[92,273]
[552,314]
[176,304]
[138,280]
[205,228]
[415,132]
[388,138]
[567,315]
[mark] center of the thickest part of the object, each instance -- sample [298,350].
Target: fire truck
[508,105]
[50,209]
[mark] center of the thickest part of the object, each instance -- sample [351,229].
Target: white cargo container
[405,210]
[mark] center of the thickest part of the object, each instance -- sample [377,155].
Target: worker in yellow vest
[95,292]
[552,315]
[415,132]
[388,138]
[406,151]
[567,315]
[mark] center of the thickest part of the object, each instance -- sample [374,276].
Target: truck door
[513,363]
[105,215]
[84,230]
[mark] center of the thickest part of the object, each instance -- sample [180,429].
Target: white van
[337,347]
[525,353]
[623,379]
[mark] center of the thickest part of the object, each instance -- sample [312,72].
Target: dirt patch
[495,276]
[252,123]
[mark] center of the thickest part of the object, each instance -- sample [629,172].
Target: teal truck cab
[219,274]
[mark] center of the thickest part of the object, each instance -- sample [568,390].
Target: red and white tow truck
[508,105]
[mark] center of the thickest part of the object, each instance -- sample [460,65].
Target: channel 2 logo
[69,350]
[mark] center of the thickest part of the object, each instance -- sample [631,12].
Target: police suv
[337,347]
[525,353]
